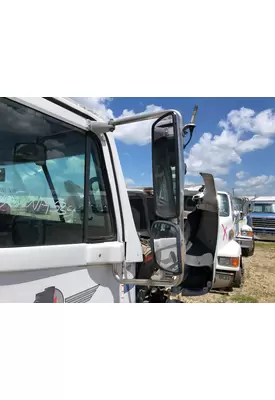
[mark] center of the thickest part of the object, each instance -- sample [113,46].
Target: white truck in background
[87,249]
[243,232]
[229,265]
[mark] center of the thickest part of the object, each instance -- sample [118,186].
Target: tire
[245,252]
[239,279]
[252,250]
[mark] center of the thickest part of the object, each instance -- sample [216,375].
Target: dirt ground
[259,285]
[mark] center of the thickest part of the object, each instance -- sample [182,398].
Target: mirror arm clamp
[100,127]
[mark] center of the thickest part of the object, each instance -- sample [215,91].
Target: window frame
[80,125]
[91,137]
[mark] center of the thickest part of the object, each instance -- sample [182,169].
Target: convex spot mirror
[29,152]
[168,166]
[166,246]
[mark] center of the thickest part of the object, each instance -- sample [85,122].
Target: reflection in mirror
[165,166]
[166,245]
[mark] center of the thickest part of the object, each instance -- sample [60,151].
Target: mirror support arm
[103,127]
[174,281]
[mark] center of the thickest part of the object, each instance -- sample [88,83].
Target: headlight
[229,261]
[246,233]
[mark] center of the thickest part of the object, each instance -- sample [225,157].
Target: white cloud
[259,185]
[242,132]
[190,182]
[75,164]
[241,174]
[220,184]
[257,142]
[246,120]
[213,154]
[129,182]
[256,181]
[136,133]
[99,105]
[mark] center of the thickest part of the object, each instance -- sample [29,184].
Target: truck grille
[263,223]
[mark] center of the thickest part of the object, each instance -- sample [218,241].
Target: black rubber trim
[117,187]
[88,146]
[69,108]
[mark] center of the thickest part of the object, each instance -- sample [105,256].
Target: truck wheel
[245,252]
[239,279]
[252,250]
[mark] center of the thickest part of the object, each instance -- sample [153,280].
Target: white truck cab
[228,262]
[67,232]
[243,232]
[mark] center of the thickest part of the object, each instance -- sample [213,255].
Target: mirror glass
[165,159]
[166,245]
[29,152]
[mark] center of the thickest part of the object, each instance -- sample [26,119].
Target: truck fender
[231,249]
[246,227]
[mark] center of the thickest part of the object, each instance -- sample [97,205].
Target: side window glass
[100,210]
[42,203]
[223,205]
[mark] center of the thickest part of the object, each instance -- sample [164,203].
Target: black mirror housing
[168,165]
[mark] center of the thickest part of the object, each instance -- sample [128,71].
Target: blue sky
[233,140]
[242,145]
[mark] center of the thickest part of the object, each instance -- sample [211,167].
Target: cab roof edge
[67,101]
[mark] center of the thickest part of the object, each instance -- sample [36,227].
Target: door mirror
[168,166]
[166,246]
[29,152]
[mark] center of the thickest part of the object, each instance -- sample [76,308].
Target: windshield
[223,205]
[237,204]
[263,208]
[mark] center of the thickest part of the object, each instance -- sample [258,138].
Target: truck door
[68,244]
[226,225]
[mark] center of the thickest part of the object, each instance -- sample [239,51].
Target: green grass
[269,245]
[243,298]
